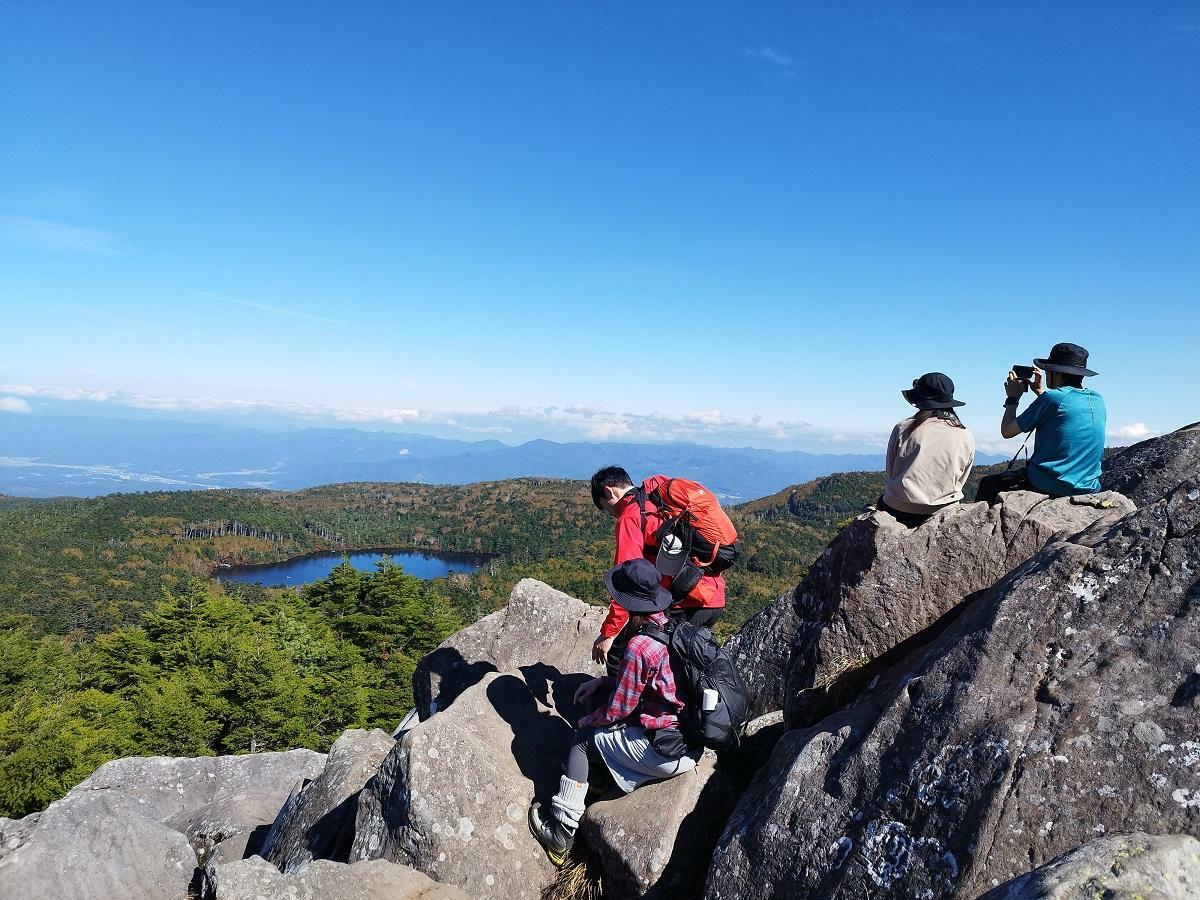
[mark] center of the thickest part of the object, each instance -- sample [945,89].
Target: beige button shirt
[927,466]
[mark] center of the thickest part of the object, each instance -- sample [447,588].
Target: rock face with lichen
[1060,705]
[879,583]
[1147,471]
[257,879]
[138,827]
[1145,866]
[317,821]
[450,799]
[656,842]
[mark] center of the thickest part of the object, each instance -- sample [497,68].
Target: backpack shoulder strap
[661,494]
[639,494]
[655,633]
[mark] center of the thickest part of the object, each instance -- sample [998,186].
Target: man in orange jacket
[637,538]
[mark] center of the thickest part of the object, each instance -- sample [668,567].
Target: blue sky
[733,223]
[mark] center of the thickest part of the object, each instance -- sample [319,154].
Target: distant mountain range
[80,456]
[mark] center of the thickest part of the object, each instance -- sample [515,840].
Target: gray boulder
[257,879]
[1147,471]
[759,651]
[128,830]
[656,841]
[539,625]
[1061,705]
[451,798]
[1117,867]
[317,821]
[879,583]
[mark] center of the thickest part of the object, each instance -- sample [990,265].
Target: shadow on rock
[551,688]
[540,738]
[455,675]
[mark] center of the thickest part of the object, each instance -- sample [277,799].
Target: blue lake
[315,566]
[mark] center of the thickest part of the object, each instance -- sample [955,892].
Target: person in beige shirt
[929,455]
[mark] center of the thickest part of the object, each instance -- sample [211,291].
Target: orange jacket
[634,541]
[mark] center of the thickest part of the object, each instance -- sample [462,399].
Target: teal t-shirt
[1069,443]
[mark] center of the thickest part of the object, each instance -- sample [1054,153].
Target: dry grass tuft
[839,667]
[579,879]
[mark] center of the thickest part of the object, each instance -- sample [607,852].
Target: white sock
[568,802]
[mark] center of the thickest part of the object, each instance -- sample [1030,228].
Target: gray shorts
[632,761]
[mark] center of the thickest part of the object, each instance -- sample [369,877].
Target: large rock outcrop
[451,797]
[879,583]
[655,843]
[1147,471]
[317,821]
[1059,706]
[1117,867]
[539,625]
[257,879]
[135,827]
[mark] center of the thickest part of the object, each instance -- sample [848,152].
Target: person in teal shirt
[1068,422]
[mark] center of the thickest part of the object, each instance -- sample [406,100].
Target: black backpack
[698,662]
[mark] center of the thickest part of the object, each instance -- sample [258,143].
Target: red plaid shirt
[645,685]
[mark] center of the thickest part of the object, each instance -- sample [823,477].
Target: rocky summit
[1002,703]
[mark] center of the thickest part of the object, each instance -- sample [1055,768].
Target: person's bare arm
[1013,388]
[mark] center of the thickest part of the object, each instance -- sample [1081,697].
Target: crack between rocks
[1009,538]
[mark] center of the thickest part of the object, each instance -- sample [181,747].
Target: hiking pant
[582,755]
[991,486]
[583,771]
[703,616]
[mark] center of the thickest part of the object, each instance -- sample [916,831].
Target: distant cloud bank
[518,423]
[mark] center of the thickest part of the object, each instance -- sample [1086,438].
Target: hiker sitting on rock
[929,455]
[637,538]
[1069,421]
[634,737]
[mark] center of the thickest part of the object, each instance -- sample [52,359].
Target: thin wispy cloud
[781,61]
[271,308]
[930,35]
[60,237]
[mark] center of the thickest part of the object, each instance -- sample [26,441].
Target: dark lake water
[315,566]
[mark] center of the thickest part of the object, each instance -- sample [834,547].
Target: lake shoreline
[221,570]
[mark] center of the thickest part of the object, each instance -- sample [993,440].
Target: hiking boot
[555,838]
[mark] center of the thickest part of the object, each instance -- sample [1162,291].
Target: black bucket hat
[636,585]
[933,390]
[1069,358]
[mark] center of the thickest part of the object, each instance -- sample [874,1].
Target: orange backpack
[695,527]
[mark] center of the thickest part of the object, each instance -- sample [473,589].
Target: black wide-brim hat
[933,390]
[1069,358]
[636,585]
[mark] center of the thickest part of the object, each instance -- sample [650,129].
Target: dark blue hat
[933,390]
[636,585]
[1069,358]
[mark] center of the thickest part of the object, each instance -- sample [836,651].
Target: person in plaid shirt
[634,736]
